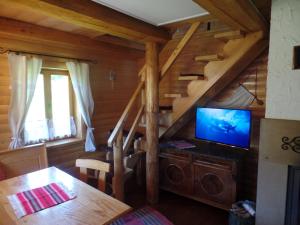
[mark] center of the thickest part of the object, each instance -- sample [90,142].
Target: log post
[118,179]
[140,175]
[152,105]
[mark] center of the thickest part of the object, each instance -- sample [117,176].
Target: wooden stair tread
[188,78]
[173,95]
[207,58]
[166,107]
[165,111]
[191,76]
[160,125]
[230,35]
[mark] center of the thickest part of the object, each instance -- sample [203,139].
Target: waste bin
[242,213]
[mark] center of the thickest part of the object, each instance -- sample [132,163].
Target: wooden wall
[4,102]
[247,77]
[110,99]
[63,156]
[112,96]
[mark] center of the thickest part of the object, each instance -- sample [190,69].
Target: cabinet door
[176,175]
[214,183]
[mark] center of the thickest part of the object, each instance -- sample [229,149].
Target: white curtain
[239,99]
[79,73]
[24,72]
[43,130]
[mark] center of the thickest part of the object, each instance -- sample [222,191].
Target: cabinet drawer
[214,183]
[176,175]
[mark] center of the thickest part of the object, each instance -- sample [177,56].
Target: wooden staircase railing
[219,71]
[125,114]
[116,141]
[116,138]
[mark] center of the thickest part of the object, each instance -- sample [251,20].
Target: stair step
[161,131]
[174,95]
[230,35]
[165,109]
[191,76]
[207,58]
[188,78]
[159,125]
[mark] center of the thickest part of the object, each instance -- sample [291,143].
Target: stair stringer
[239,53]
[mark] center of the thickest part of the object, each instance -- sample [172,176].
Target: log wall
[110,97]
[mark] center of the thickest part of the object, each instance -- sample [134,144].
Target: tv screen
[227,126]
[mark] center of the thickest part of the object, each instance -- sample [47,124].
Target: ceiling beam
[93,16]
[21,36]
[239,14]
[120,41]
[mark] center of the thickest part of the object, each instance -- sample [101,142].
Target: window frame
[46,72]
[48,95]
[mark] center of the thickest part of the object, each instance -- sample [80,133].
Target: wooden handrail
[116,138]
[188,35]
[133,129]
[143,70]
[164,70]
[179,48]
[124,116]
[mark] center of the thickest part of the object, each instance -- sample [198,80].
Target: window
[50,115]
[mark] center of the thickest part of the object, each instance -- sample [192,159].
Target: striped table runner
[31,201]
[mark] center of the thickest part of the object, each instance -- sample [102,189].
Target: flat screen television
[227,126]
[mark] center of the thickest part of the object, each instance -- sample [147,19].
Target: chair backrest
[100,168]
[23,160]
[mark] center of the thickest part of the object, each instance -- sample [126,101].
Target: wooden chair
[100,171]
[130,162]
[23,160]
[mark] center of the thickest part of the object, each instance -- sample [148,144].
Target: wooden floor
[180,210]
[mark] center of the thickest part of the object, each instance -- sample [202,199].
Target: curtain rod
[3,51]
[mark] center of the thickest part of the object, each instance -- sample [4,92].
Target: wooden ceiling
[26,37]
[242,14]
[37,18]
[89,19]
[82,16]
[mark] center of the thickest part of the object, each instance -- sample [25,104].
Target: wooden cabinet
[205,178]
[215,181]
[176,174]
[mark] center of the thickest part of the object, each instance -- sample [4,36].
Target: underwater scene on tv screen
[228,126]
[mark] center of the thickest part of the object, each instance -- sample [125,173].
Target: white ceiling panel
[156,12]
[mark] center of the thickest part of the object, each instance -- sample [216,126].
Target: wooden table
[91,207]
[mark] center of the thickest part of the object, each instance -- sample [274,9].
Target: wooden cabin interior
[150,112]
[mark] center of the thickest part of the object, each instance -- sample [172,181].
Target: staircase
[220,69]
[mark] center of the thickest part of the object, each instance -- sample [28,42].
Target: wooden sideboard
[204,177]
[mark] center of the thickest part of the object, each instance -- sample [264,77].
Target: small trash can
[242,213]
